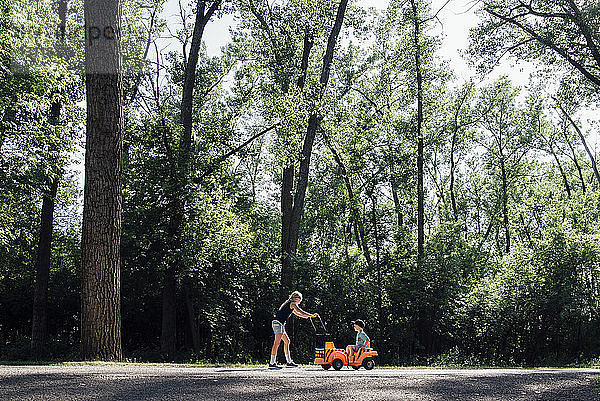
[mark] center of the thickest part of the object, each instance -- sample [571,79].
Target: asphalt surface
[131,382]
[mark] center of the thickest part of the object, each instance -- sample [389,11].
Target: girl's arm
[299,312]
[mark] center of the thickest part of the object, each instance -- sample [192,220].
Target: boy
[361,337]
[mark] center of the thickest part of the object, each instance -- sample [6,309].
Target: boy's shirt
[361,339]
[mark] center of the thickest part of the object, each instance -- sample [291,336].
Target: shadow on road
[257,384]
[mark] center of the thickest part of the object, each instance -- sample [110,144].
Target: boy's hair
[359,323]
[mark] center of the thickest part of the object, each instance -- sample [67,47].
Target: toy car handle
[314,327]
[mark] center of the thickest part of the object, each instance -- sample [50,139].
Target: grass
[136,363]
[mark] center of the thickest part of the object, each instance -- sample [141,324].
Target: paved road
[128,382]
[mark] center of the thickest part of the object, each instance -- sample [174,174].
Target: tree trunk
[286,218]
[452,167]
[313,123]
[287,187]
[560,169]
[487,232]
[101,231]
[39,319]
[420,145]
[191,312]
[42,268]
[396,199]
[180,174]
[505,204]
[379,305]
[168,344]
[580,173]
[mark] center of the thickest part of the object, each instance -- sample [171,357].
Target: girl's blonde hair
[295,294]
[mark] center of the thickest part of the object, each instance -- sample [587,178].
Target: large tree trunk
[101,231]
[420,145]
[179,180]
[313,124]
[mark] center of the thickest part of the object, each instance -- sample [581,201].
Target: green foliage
[539,307]
[470,302]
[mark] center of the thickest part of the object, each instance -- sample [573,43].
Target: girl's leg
[276,342]
[286,349]
[286,343]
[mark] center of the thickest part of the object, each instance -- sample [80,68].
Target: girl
[285,310]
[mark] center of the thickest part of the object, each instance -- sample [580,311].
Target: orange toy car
[336,357]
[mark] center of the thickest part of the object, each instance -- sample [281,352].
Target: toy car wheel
[355,367]
[325,366]
[369,363]
[337,364]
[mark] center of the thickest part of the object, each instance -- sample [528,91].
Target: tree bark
[101,231]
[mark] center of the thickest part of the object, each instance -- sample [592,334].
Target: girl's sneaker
[292,364]
[274,366]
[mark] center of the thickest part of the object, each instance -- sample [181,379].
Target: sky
[455,19]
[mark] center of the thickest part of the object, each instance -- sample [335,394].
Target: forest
[329,148]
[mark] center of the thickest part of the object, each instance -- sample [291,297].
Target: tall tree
[287,184]
[313,124]
[179,179]
[42,265]
[101,230]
